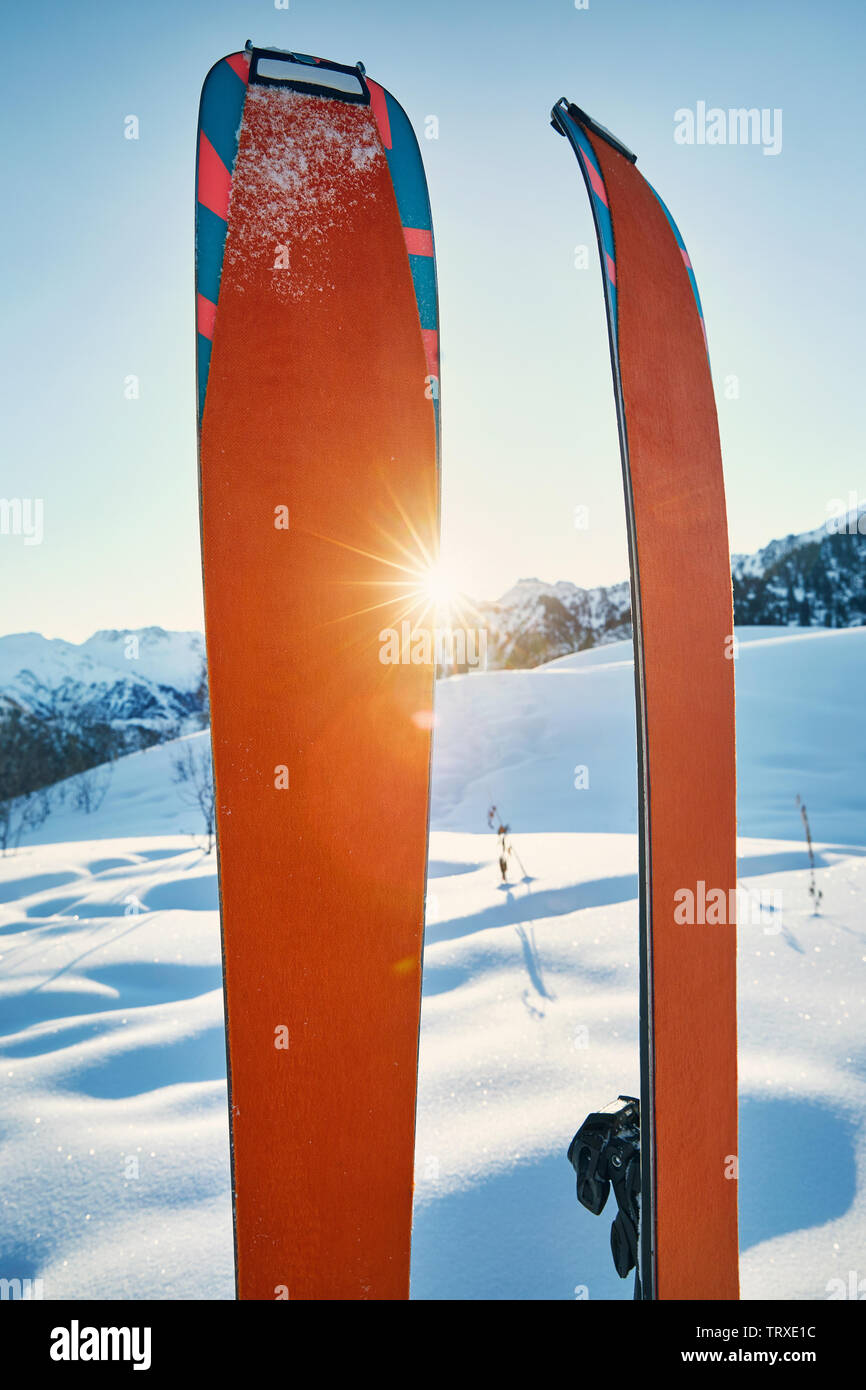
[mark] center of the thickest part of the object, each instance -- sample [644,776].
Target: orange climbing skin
[682,548]
[317,415]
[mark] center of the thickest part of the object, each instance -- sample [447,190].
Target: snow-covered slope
[114,1161]
[516,737]
[114,1166]
[142,799]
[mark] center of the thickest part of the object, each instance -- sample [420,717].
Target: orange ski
[319,506]
[683,630]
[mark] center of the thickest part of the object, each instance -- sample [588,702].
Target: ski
[687,1246]
[318,465]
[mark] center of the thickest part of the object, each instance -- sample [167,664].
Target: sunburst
[416,584]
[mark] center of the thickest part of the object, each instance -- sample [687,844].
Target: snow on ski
[684,672]
[318,390]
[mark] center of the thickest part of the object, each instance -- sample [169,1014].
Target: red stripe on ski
[214,179]
[205,315]
[418,241]
[379,107]
[611,267]
[598,187]
[431,348]
[240,64]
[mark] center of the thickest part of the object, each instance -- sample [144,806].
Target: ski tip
[555,118]
[301,72]
[565,109]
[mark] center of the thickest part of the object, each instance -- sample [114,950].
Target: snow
[294,180]
[516,737]
[530,1022]
[114,1166]
[142,800]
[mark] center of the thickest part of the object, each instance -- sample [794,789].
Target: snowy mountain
[67,707]
[143,682]
[814,579]
[146,685]
[535,622]
[817,579]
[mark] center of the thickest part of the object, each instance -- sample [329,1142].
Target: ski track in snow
[114,1176]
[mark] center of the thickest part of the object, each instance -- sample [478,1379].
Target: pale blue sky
[98,266]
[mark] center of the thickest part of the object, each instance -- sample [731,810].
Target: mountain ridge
[148,684]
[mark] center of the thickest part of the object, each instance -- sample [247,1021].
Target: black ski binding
[605,1153]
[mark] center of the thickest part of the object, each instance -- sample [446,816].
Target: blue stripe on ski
[204,351]
[601,215]
[424,280]
[407,171]
[210,248]
[687,260]
[222,105]
[220,114]
[413,203]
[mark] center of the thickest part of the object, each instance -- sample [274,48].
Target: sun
[413,585]
[438,586]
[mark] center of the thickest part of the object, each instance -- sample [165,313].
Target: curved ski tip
[576,113]
[555,115]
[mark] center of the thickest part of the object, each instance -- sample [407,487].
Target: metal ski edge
[199,416]
[561,118]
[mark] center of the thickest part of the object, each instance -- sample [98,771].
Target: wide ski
[318,391]
[684,673]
